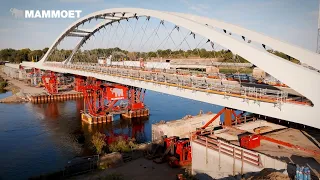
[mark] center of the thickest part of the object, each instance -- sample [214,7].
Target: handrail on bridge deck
[190,82]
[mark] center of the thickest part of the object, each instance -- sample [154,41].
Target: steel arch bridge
[303,80]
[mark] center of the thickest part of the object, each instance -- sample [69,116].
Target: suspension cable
[133,37]
[144,32]
[155,34]
[165,38]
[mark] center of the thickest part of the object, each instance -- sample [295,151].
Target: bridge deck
[269,102]
[192,82]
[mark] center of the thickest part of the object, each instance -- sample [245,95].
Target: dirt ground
[21,86]
[268,174]
[20,90]
[139,169]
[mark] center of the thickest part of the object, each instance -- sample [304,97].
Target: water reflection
[64,121]
[42,137]
[3,91]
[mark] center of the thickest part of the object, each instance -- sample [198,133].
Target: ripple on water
[41,138]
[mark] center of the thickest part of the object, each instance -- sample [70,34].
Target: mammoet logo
[117,92]
[45,14]
[17,13]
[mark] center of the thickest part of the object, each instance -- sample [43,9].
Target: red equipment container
[250,141]
[170,140]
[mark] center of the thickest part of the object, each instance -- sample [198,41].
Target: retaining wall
[208,163]
[181,127]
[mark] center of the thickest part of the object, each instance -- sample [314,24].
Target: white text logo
[45,14]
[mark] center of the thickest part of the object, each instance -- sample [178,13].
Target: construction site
[263,93]
[238,145]
[207,143]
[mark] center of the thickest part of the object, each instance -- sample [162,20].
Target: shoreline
[20,90]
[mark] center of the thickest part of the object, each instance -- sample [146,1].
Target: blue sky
[294,21]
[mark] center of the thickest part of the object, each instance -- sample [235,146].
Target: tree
[152,54]
[284,56]
[45,50]
[7,55]
[22,55]
[35,55]
[132,56]
[122,145]
[98,141]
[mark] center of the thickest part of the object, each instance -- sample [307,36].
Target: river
[41,138]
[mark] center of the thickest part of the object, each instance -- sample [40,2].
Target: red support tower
[50,82]
[107,99]
[79,83]
[101,99]
[136,98]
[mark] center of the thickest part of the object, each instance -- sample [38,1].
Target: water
[41,138]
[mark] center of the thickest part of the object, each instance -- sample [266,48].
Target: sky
[293,21]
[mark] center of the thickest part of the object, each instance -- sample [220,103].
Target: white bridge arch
[299,78]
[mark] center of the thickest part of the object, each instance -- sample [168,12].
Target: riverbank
[20,90]
[115,165]
[137,169]
[3,84]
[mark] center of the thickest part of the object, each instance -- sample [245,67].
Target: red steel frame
[50,82]
[93,94]
[79,83]
[227,119]
[98,102]
[283,143]
[136,98]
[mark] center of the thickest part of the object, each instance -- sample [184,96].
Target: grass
[121,145]
[3,84]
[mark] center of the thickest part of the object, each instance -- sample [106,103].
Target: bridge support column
[136,105]
[228,117]
[136,98]
[79,82]
[102,100]
[50,82]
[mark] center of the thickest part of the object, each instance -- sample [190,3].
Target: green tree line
[17,56]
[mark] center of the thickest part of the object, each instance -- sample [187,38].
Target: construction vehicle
[177,152]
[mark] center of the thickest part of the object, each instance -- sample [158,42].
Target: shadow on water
[71,125]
